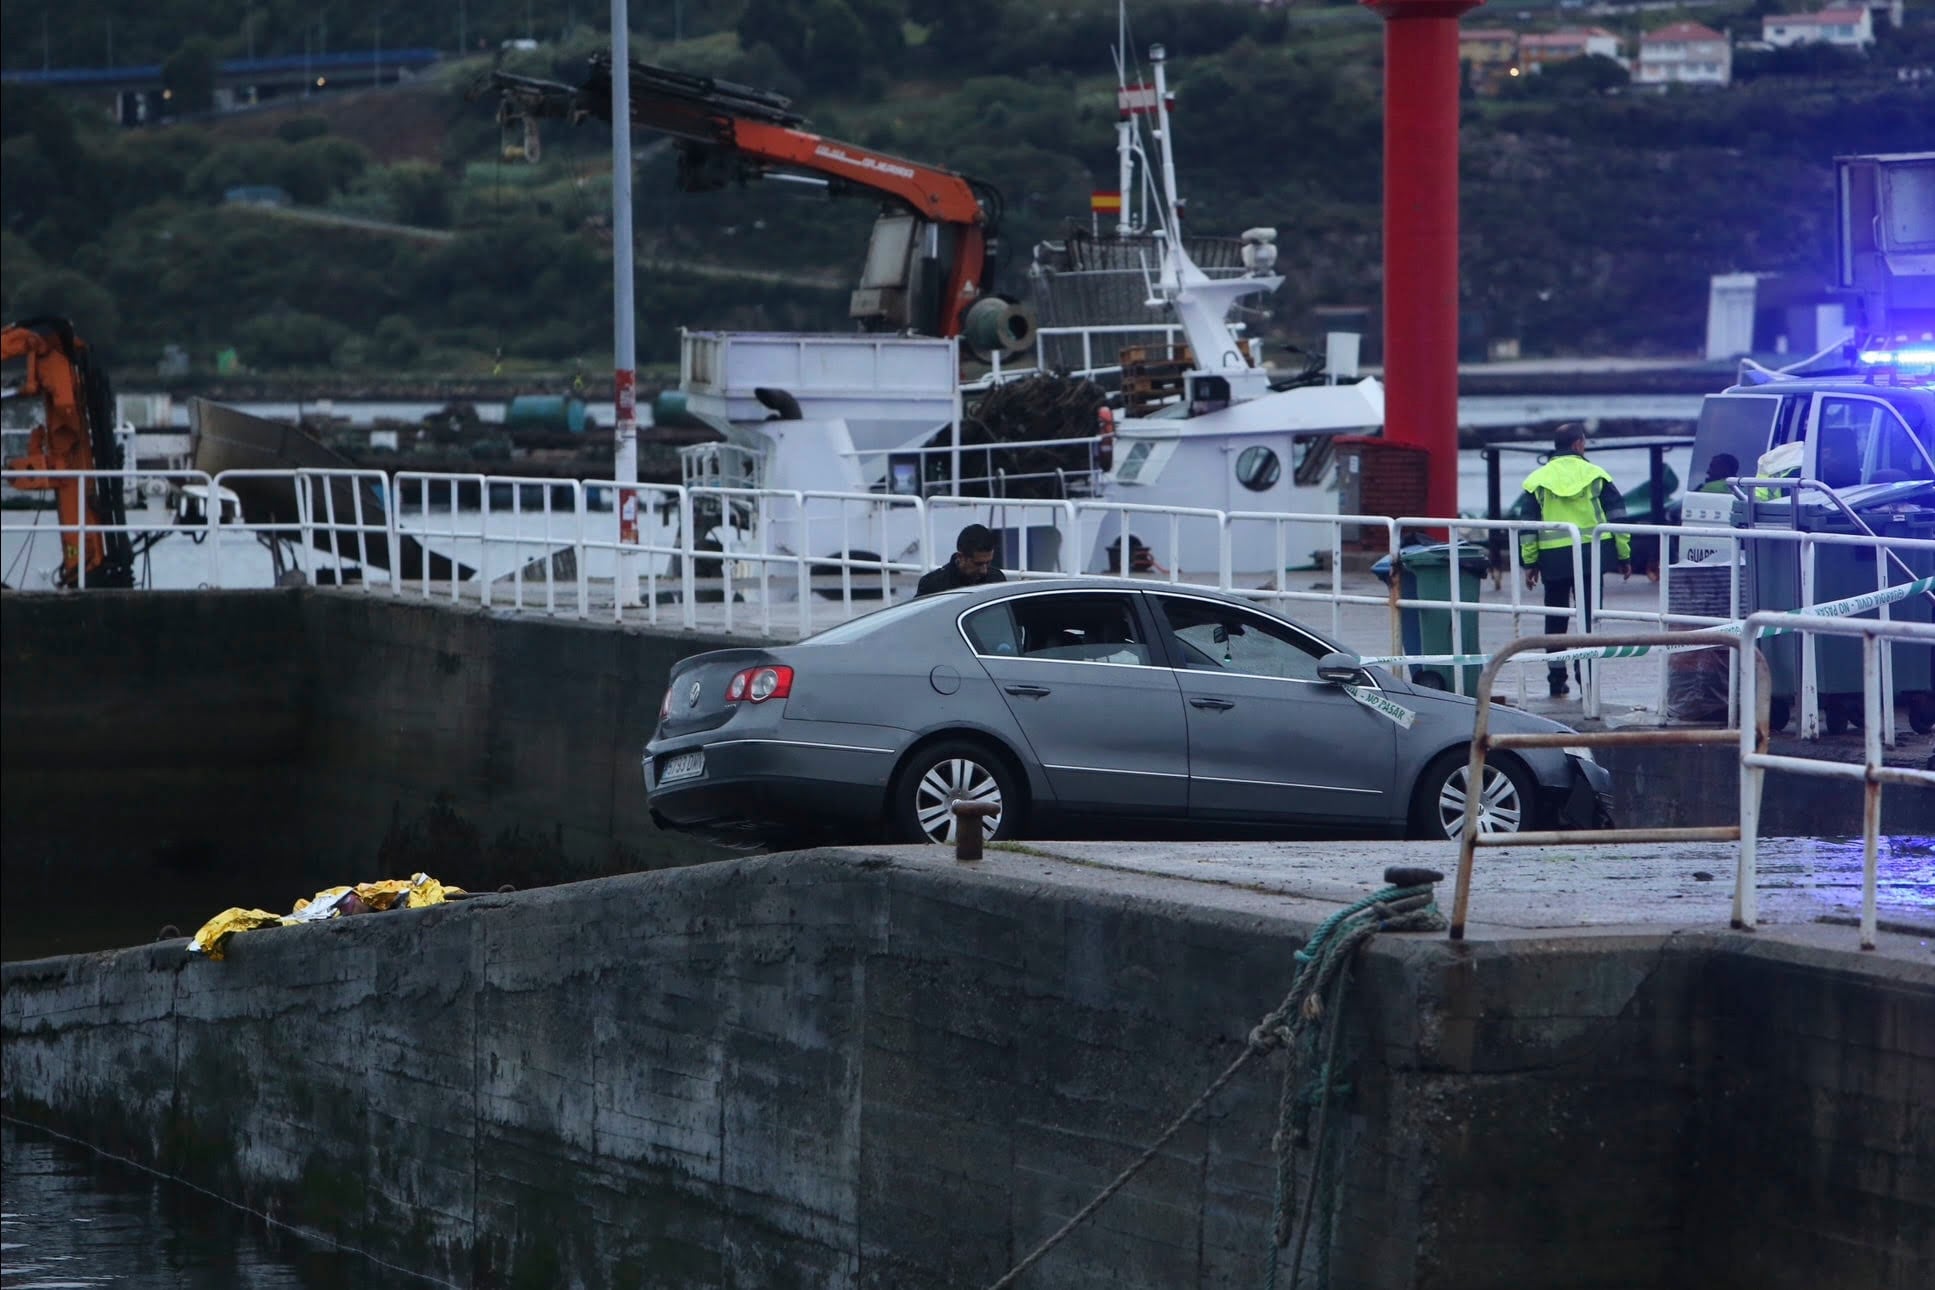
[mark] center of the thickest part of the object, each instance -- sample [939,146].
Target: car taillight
[758,684]
[665,704]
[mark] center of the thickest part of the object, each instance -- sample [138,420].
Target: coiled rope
[1404,906]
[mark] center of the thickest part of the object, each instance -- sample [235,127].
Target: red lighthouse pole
[1421,234]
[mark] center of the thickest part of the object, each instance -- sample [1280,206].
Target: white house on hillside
[1537,50]
[1684,54]
[1852,27]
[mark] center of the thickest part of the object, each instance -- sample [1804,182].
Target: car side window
[1222,638]
[1864,442]
[1100,628]
[991,630]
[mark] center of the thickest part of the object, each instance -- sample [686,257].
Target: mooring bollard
[1408,877]
[967,827]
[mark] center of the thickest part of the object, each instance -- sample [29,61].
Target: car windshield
[867,624]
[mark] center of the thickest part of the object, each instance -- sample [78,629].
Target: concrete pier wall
[172,754]
[854,1070]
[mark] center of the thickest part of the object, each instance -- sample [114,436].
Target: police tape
[1376,701]
[1831,609]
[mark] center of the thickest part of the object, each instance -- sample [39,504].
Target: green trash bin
[1425,574]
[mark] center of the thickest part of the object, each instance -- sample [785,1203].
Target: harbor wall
[839,1069]
[1695,787]
[165,755]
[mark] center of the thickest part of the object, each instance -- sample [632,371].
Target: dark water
[73,1220]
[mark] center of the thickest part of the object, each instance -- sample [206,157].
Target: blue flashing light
[1907,356]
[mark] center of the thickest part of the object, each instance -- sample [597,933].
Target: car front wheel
[928,787]
[1506,804]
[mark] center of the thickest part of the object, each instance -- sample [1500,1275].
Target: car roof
[1002,590]
[1916,404]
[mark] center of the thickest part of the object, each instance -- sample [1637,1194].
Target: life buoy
[1105,437]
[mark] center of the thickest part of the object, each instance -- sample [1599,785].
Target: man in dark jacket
[972,565]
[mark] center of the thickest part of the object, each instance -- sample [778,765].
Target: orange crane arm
[732,131]
[75,401]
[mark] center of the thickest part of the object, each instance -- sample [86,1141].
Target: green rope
[1292,1025]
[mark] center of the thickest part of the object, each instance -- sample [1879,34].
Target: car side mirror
[1340,669]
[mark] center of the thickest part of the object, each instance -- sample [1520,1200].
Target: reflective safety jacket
[1783,462]
[1567,492]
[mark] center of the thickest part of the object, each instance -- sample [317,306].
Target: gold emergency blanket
[414,892]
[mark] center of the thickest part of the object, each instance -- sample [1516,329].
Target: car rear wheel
[1507,803]
[928,786]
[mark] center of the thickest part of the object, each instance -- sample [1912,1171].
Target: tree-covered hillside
[1592,215]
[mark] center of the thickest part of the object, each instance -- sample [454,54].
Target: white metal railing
[1752,735]
[787,561]
[130,479]
[999,373]
[1872,772]
[1890,571]
[877,461]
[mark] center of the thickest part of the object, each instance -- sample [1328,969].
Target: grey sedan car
[1085,706]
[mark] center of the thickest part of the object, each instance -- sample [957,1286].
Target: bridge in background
[136,94]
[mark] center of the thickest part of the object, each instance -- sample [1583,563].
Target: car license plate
[683,765]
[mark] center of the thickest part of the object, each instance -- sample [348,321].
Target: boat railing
[998,480]
[785,562]
[1000,371]
[722,465]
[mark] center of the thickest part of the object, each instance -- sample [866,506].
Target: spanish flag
[1100,203]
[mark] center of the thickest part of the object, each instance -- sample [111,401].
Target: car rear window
[867,624]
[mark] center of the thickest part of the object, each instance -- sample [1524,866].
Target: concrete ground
[1809,891]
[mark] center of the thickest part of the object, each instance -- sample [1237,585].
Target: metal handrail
[1872,773]
[1799,485]
[1483,742]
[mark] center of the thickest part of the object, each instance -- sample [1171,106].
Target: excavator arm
[76,433]
[731,133]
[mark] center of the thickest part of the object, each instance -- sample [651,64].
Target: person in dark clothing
[972,564]
[1723,468]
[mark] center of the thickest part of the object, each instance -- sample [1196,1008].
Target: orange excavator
[931,262]
[77,433]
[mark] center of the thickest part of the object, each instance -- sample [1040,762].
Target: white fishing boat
[1203,422]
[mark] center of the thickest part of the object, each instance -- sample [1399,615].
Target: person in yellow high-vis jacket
[1566,490]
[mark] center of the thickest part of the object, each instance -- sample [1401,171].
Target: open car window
[1058,627]
[1223,638]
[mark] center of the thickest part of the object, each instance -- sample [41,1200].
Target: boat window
[1258,469]
[1141,461]
[1057,627]
[1223,638]
[1311,456]
[1863,441]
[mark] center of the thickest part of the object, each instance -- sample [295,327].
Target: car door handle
[1027,691]
[1219,705]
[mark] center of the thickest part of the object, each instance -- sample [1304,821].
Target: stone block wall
[841,1069]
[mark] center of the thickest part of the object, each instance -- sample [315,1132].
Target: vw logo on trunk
[692,696]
